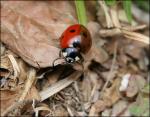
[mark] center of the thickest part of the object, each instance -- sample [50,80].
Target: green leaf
[81,12]
[110,2]
[127,7]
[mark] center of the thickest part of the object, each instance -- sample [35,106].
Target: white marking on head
[77,58]
[70,45]
[69,60]
[64,54]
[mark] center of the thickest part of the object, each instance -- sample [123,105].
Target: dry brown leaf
[97,54]
[134,83]
[120,109]
[133,50]
[97,107]
[111,95]
[132,88]
[106,112]
[31,33]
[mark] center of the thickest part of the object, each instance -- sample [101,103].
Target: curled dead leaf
[31,33]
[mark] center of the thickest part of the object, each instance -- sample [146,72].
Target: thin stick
[55,88]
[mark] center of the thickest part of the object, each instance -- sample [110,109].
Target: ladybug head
[71,54]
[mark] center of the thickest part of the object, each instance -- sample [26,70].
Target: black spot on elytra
[72,31]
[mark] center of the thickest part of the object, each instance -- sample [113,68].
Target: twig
[59,85]
[109,32]
[117,31]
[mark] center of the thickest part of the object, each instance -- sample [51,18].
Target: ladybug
[75,41]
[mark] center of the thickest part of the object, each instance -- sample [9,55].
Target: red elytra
[76,39]
[79,32]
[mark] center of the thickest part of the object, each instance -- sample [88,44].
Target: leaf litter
[113,81]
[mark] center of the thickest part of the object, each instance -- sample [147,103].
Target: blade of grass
[110,2]
[81,12]
[127,7]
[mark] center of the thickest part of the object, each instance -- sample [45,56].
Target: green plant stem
[81,12]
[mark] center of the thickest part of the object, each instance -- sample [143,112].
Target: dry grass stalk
[108,18]
[109,32]
[136,36]
[29,82]
[117,31]
[134,28]
[127,33]
[59,85]
[93,91]
[114,16]
[15,65]
[70,111]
